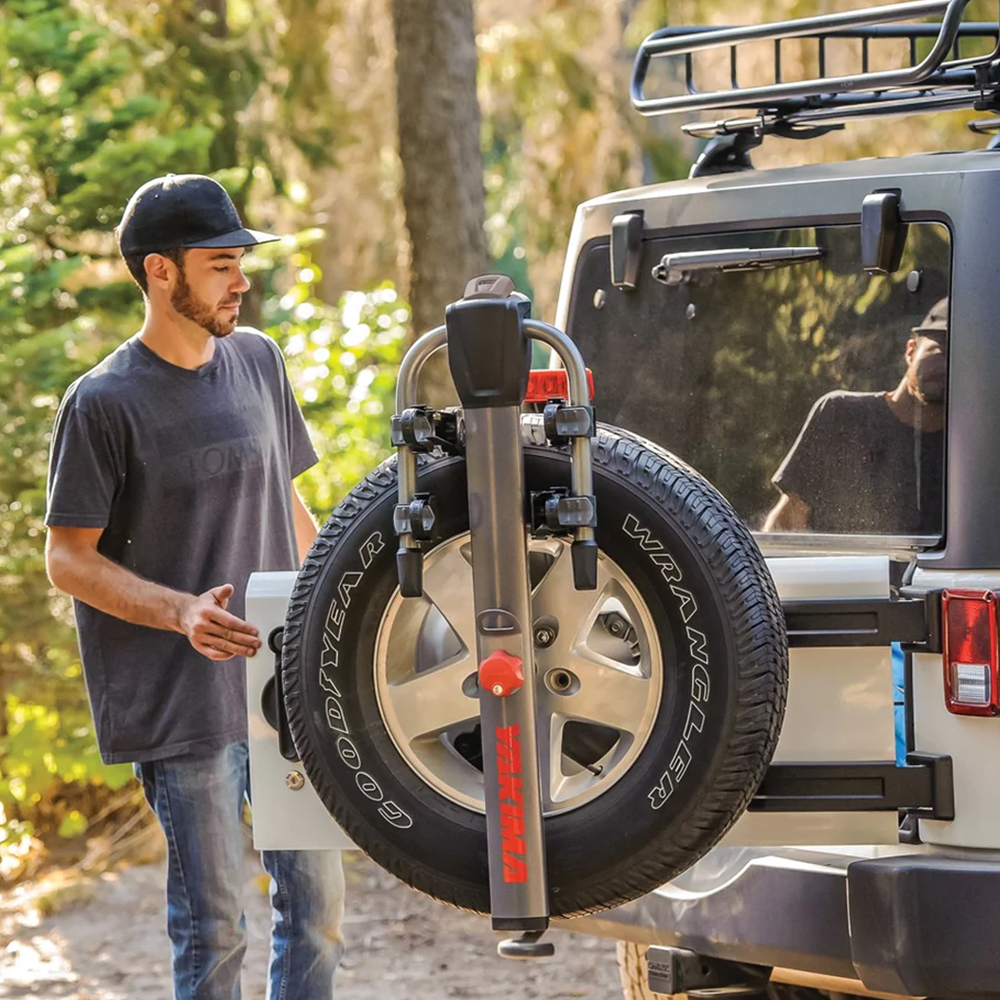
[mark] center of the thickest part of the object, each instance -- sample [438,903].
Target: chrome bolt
[294,780]
[545,635]
[498,689]
[600,297]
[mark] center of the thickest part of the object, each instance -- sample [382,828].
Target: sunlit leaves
[342,361]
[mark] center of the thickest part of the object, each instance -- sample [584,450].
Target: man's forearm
[90,577]
[306,528]
[790,513]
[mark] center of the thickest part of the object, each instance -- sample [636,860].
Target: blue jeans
[199,801]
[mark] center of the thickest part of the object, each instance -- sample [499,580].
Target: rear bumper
[917,924]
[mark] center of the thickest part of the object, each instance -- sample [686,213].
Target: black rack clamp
[562,422]
[422,430]
[557,512]
[488,335]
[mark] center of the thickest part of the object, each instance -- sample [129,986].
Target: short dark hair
[134,263]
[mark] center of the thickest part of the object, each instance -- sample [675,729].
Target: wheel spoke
[574,610]
[431,701]
[448,585]
[608,694]
[549,735]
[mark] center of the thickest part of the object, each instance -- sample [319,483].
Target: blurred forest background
[403,145]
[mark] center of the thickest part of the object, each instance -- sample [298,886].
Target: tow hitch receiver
[675,970]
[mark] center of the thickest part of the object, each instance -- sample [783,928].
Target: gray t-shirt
[863,471]
[189,473]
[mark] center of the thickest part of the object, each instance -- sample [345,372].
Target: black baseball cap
[181,211]
[935,323]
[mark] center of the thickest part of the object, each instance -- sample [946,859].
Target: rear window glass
[810,393]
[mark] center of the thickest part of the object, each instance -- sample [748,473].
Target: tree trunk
[439,146]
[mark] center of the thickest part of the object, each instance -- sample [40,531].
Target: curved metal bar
[406,392]
[413,361]
[674,42]
[581,469]
[582,475]
[579,394]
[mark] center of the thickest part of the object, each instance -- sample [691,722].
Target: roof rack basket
[942,79]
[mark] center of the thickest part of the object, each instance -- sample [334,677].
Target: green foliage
[74,132]
[95,101]
[342,361]
[16,841]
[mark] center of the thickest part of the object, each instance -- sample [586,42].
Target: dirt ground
[102,938]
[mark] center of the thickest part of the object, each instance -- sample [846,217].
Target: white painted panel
[283,820]
[972,742]
[840,706]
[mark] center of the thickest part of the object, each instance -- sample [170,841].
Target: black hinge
[626,249]
[913,621]
[923,786]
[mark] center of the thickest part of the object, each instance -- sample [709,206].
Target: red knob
[501,674]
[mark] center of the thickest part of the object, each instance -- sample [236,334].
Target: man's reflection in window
[872,462]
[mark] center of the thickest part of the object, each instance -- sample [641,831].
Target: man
[872,462]
[170,481]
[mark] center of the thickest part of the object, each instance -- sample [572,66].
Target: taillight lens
[552,383]
[969,619]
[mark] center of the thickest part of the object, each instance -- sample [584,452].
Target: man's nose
[242,284]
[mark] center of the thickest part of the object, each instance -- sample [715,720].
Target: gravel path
[104,940]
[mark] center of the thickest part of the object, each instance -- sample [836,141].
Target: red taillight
[552,383]
[969,620]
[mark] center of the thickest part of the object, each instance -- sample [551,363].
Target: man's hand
[213,631]
[76,567]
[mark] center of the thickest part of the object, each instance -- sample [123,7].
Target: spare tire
[660,695]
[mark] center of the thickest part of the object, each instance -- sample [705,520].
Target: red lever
[501,674]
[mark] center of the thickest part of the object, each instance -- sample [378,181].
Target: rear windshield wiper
[674,266]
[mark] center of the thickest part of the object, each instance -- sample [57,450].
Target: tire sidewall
[408,827]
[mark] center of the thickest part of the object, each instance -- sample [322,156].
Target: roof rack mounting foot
[726,154]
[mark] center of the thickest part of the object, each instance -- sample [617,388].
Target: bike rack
[488,335]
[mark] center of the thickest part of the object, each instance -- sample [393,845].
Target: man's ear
[160,270]
[911,347]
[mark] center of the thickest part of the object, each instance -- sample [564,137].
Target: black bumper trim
[926,925]
[913,925]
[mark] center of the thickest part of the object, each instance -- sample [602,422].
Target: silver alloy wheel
[598,682]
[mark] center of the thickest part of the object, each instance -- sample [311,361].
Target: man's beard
[929,390]
[191,307]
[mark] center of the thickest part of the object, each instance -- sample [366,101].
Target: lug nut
[545,631]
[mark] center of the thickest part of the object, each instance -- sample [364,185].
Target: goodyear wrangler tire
[681,673]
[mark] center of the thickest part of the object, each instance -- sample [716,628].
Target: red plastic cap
[501,674]
[552,383]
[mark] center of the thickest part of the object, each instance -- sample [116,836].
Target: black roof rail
[941,79]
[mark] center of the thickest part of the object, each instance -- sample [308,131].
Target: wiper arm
[674,266]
